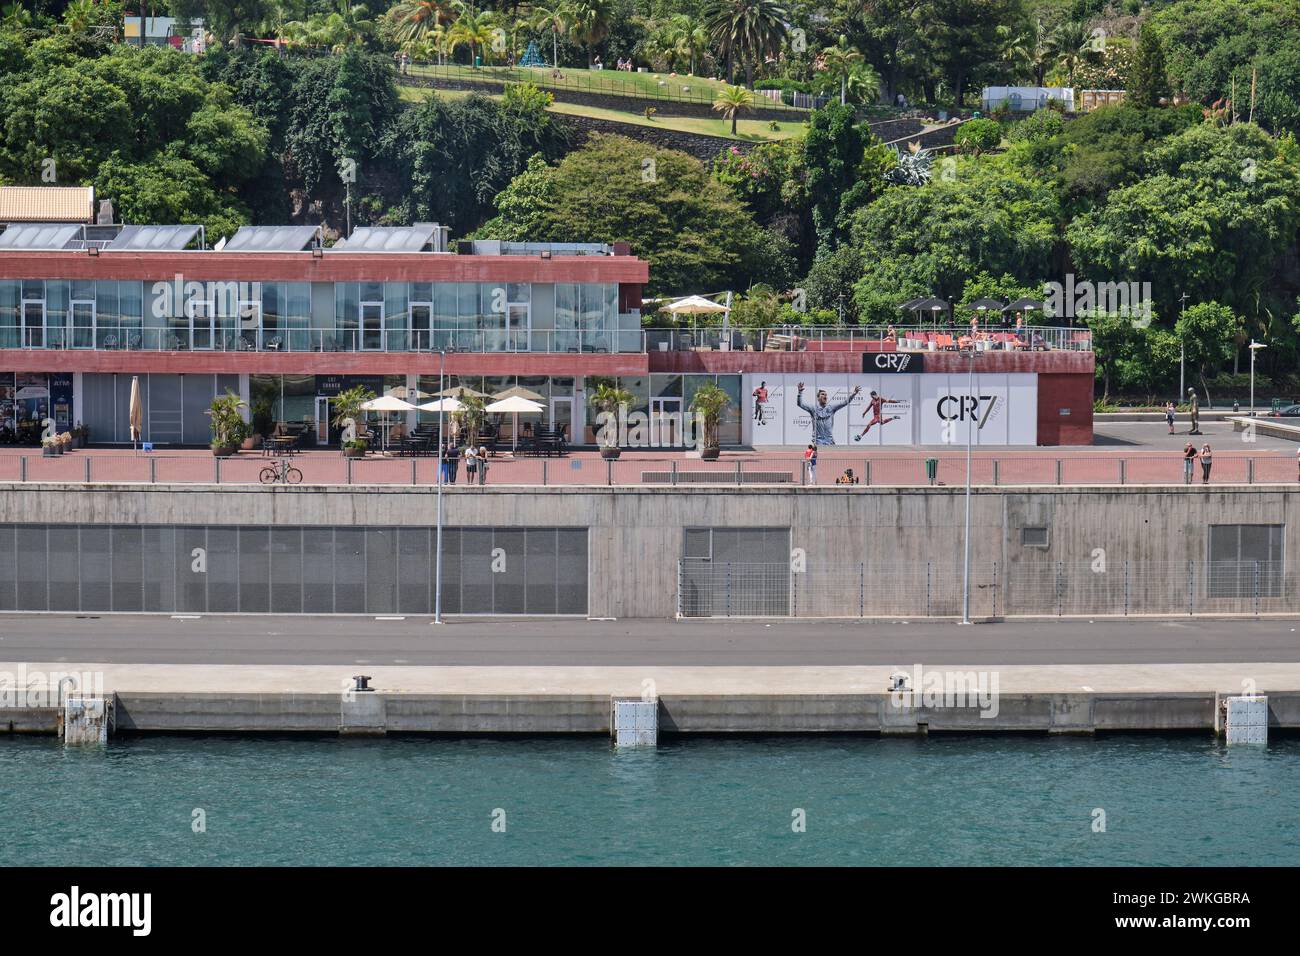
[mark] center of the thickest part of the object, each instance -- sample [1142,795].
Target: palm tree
[864,84]
[691,35]
[589,23]
[840,60]
[78,15]
[16,15]
[748,31]
[417,18]
[1067,45]
[472,27]
[731,100]
[557,18]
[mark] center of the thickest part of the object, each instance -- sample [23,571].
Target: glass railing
[470,339]
[993,337]
[625,340]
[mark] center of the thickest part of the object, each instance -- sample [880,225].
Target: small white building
[165,31]
[1026,99]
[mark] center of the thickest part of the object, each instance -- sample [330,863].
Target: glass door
[250,334]
[322,420]
[517,320]
[562,415]
[203,324]
[34,323]
[372,326]
[421,317]
[83,323]
[666,421]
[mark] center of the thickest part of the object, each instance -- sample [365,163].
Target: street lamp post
[442,445]
[1182,349]
[970,432]
[1254,347]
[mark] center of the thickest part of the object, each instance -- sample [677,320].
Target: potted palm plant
[228,425]
[347,407]
[469,417]
[608,399]
[708,405]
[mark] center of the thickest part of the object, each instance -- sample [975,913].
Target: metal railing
[794,338]
[629,338]
[711,588]
[326,467]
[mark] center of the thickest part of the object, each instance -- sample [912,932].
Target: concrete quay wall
[636,535]
[381,713]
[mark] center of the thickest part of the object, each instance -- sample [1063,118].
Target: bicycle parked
[281,472]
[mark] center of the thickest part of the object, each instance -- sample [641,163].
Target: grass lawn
[662,85]
[755,131]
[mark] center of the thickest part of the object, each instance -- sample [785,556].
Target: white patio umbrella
[406,394]
[694,305]
[441,405]
[447,405]
[518,391]
[386,404]
[514,405]
[461,391]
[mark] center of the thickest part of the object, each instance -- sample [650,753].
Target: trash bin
[932,470]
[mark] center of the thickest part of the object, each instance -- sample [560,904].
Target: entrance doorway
[666,422]
[322,420]
[421,317]
[562,415]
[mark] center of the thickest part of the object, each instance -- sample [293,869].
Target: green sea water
[977,800]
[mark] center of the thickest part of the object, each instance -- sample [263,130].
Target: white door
[421,317]
[517,317]
[203,324]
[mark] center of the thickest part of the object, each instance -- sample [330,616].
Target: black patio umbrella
[933,306]
[1024,305]
[910,305]
[984,305]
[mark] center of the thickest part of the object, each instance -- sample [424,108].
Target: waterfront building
[286,322]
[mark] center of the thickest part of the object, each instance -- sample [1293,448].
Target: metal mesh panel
[377,570]
[127,542]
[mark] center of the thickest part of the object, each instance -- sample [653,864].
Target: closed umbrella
[136,411]
[514,405]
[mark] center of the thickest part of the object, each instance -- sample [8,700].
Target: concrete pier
[531,700]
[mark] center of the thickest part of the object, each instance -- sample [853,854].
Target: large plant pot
[710,454]
[610,454]
[354,453]
[47,451]
[224,451]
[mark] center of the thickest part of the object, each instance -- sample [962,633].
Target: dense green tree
[931,240]
[168,188]
[1149,78]
[1219,208]
[964,37]
[694,233]
[1207,330]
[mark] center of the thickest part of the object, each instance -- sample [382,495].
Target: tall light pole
[1254,347]
[1182,349]
[437,573]
[970,432]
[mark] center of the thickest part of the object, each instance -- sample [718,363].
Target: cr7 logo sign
[963,408]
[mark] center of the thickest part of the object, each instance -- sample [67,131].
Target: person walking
[810,459]
[470,454]
[1169,416]
[1189,462]
[482,464]
[1207,459]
